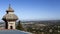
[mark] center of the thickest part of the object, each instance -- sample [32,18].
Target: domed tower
[10,18]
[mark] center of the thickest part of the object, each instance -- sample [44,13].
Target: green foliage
[19,26]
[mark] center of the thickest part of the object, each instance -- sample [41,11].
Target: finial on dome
[10,9]
[9,6]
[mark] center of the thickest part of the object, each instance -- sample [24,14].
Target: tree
[19,26]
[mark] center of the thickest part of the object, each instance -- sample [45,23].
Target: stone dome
[10,17]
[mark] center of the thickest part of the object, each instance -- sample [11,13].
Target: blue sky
[32,9]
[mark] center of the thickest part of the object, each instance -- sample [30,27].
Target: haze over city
[32,9]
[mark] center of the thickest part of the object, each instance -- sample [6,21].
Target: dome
[10,14]
[10,17]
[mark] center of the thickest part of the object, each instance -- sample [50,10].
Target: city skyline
[32,9]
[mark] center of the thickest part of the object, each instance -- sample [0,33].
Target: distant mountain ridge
[57,22]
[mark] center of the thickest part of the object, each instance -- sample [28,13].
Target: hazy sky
[32,9]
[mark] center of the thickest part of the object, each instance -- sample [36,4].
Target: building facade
[10,18]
